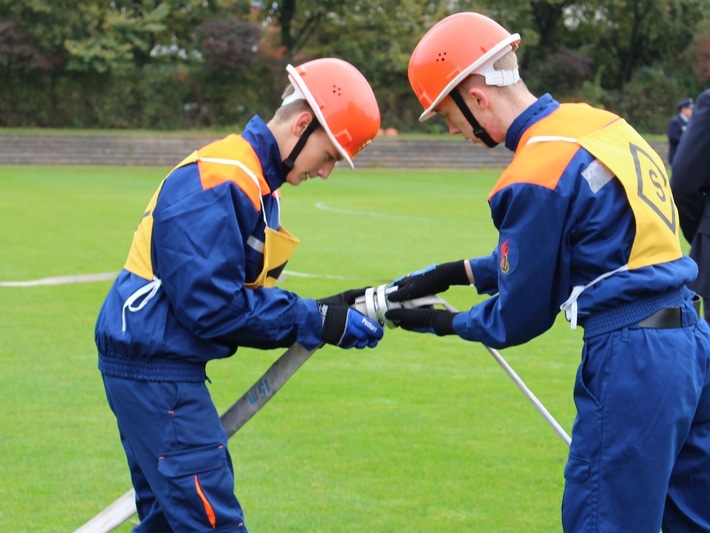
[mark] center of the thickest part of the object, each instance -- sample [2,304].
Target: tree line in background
[214,63]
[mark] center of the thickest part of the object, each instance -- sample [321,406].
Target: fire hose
[374,304]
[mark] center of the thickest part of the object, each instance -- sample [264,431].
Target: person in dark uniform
[677,126]
[690,185]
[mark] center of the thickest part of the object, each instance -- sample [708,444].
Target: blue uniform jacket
[555,233]
[202,310]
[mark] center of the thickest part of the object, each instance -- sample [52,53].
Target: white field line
[110,276]
[319,276]
[61,280]
[373,214]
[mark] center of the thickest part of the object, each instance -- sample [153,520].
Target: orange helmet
[341,99]
[455,47]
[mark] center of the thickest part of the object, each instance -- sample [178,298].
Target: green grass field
[420,434]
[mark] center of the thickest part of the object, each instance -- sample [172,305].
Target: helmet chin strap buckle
[478,130]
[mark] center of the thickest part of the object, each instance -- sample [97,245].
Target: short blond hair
[508,62]
[287,111]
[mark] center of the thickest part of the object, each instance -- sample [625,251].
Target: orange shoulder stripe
[543,163]
[536,165]
[234,153]
[570,120]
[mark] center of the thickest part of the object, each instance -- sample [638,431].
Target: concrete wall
[169,150]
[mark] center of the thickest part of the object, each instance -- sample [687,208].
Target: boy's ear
[301,123]
[479,97]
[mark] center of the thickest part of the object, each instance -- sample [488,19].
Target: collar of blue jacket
[259,136]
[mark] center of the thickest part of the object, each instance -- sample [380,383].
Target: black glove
[423,320]
[345,327]
[344,298]
[432,280]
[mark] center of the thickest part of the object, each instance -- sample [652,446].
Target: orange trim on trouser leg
[208,508]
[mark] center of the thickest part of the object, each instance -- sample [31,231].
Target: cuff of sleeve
[459,323]
[310,324]
[485,274]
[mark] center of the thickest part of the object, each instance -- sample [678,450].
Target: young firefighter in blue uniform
[586,222]
[199,282]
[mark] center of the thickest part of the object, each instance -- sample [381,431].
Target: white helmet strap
[501,78]
[295,95]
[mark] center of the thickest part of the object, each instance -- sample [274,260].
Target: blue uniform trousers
[640,453]
[177,453]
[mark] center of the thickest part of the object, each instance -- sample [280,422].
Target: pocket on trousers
[201,486]
[192,461]
[577,469]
